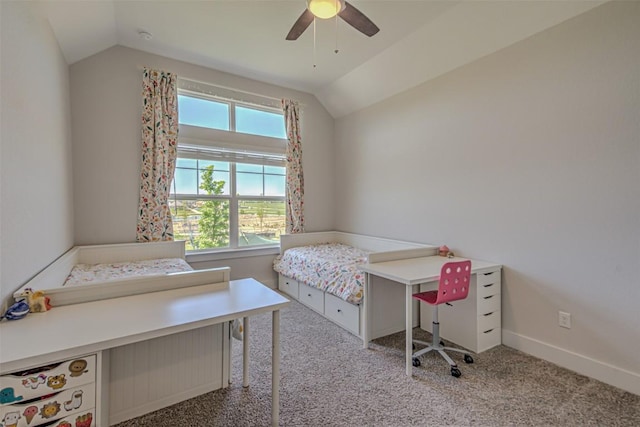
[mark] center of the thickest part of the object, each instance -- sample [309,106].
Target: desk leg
[409,329]
[366,307]
[245,352]
[275,369]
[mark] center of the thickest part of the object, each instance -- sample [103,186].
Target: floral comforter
[331,267]
[88,273]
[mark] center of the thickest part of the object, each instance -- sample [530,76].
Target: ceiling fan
[325,9]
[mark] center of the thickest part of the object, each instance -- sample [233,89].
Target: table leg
[366,307]
[245,352]
[409,329]
[275,369]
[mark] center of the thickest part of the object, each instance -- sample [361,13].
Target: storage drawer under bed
[288,286]
[343,313]
[311,297]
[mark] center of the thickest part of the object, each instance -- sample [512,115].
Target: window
[228,190]
[215,113]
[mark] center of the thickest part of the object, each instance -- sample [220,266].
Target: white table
[105,324]
[410,272]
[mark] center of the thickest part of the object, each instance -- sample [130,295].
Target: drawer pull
[490,284]
[339,311]
[488,331]
[490,296]
[449,304]
[488,314]
[489,274]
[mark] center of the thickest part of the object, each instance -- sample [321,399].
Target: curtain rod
[278,100]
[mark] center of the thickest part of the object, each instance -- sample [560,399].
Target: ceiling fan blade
[301,24]
[358,20]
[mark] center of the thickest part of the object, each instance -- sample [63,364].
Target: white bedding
[331,267]
[90,273]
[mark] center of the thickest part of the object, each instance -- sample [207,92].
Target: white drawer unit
[49,379]
[311,297]
[62,393]
[474,323]
[332,307]
[288,286]
[344,314]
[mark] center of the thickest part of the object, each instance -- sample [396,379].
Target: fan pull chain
[336,50]
[314,43]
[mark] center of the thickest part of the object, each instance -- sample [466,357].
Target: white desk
[105,324]
[410,272]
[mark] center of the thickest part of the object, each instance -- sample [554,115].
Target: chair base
[437,345]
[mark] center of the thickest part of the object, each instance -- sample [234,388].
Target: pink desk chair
[454,285]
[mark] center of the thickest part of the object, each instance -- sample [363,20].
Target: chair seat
[429,297]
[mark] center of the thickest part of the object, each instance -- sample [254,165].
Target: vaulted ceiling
[418,39]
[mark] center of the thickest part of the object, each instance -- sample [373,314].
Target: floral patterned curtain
[159,153]
[295,180]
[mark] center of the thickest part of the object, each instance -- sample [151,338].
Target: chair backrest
[454,281]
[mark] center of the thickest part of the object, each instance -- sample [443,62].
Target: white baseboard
[609,374]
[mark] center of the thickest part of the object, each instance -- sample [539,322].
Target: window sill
[231,254]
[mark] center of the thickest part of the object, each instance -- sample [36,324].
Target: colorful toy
[16,311]
[38,302]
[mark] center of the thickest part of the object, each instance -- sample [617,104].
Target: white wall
[36,207]
[106,108]
[529,157]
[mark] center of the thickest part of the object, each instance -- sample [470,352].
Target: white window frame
[236,145]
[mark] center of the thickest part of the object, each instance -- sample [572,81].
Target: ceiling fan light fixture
[325,9]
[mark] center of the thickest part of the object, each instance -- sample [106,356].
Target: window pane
[274,185]
[249,184]
[276,170]
[258,122]
[204,224]
[218,166]
[185,181]
[212,181]
[186,163]
[248,167]
[260,222]
[203,113]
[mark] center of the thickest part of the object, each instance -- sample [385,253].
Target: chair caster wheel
[441,343]
[468,359]
[455,372]
[416,362]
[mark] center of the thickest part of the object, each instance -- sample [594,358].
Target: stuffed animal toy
[16,311]
[38,302]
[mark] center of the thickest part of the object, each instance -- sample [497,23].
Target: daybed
[320,270]
[152,374]
[89,273]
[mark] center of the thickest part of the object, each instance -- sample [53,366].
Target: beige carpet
[327,379]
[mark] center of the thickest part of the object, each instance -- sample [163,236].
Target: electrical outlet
[564,319]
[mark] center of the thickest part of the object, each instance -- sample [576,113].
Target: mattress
[332,267]
[91,273]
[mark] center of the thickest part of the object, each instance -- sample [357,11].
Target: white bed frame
[389,297]
[187,364]
[51,279]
